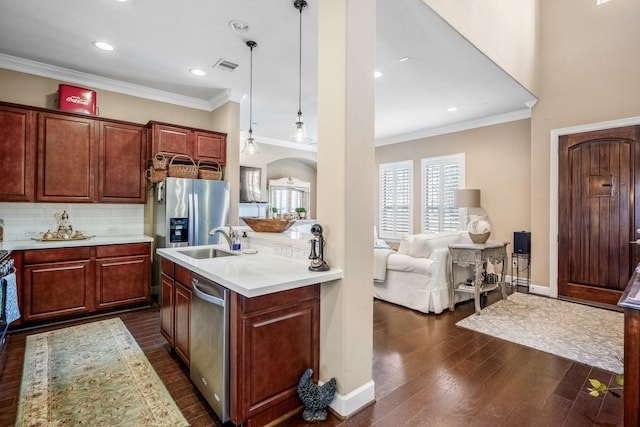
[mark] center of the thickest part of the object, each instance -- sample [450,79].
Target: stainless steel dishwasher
[209,361]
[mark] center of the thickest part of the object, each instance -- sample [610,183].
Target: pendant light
[299,131]
[250,146]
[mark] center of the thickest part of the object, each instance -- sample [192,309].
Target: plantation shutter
[441,177]
[395,199]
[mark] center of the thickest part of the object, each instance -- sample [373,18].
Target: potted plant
[301,213]
[274,212]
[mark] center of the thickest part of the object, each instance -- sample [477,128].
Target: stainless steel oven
[6,269]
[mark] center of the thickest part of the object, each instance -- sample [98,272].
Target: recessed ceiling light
[197,72]
[103,46]
[452,109]
[599,2]
[377,74]
[403,59]
[239,26]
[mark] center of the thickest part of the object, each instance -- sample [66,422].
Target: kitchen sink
[205,253]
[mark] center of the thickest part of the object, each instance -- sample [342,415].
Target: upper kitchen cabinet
[210,146]
[121,160]
[170,139]
[66,158]
[196,143]
[18,130]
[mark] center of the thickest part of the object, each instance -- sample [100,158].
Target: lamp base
[479,238]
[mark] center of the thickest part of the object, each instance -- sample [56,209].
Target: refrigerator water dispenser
[179,230]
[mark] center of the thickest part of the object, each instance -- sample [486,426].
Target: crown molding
[76,77]
[458,127]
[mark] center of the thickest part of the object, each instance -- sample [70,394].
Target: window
[395,199]
[441,177]
[289,193]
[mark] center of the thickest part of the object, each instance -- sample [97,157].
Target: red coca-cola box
[77,99]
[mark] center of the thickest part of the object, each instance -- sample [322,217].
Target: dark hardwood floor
[427,372]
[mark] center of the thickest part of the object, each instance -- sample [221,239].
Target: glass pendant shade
[299,133]
[250,146]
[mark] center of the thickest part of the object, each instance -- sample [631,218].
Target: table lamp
[467,198]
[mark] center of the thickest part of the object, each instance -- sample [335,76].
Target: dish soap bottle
[236,243]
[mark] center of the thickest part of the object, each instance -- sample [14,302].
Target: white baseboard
[540,290]
[533,289]
[353,402]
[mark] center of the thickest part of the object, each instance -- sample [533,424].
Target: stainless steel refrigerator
[185,211]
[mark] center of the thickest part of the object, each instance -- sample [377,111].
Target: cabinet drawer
[123,250]
[183,276]
[167,267]
[56,255]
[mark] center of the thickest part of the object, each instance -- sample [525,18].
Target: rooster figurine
[315,397]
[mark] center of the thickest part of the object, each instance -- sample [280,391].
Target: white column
[346,184]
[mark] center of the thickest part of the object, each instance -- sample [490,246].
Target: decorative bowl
[269,225]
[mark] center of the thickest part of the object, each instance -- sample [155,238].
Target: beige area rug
[588,335]
[92,375]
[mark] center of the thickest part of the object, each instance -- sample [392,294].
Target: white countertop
[21,245]
[251,275]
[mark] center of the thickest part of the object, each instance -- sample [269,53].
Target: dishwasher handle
[205,296]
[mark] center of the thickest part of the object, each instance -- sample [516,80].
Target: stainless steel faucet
[227,236]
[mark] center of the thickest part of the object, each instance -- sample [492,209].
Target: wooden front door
[598,183]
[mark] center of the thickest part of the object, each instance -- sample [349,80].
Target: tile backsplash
[25,220]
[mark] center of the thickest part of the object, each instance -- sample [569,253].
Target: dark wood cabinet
[175,313]
[57,283]
[171,139]
[67,282]
[18,130]
[123,275]
[273,339]
[66,158]
[182,321]
[196,143]
[121,160]
[167,307]
[49,156]
[210,146]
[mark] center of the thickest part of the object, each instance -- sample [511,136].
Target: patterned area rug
[92,374]
[589,335]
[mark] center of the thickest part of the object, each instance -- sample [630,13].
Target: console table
[630,302]
[476,255]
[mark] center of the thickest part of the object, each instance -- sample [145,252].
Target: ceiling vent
[225,65]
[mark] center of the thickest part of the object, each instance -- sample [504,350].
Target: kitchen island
[273,313]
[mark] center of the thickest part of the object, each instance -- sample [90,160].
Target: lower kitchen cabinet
[182,322]
[122,275]
[175,313]
[67,282]
[57,283]
[274,339]
[167,307]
